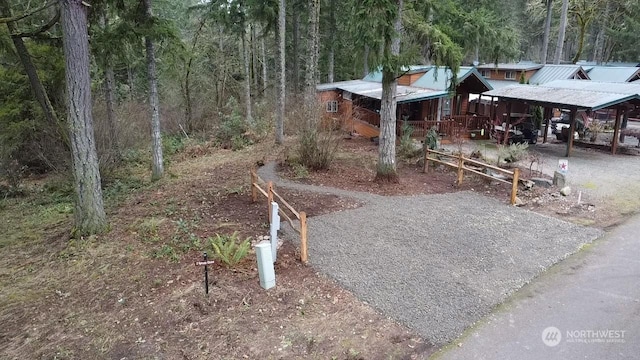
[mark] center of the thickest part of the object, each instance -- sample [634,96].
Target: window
[486,74]
[510,75]
[332,106]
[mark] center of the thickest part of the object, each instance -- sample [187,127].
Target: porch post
[616,132]
[625,120]
[547,120]
[439,115]
[478,104]
[505,140]
[572,129]
[492,111]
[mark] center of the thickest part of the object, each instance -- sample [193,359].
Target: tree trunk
[32,73]
[311,77]
[296,51]
[365,61]
[561,32]
[89,212]
[602,33]
[582,24]
[332,40]
[547,30]
[130,82]
[112,120]
[263,54]
[281,73]
[188,112]
[157,166]
[254,53]
[386,169]
[246,57]
[477,50]
[110,97]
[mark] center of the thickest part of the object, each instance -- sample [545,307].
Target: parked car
[564,122]
[521,131]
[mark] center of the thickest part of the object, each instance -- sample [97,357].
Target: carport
[575,95]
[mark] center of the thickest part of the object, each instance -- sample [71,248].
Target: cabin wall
[408,79]
[500,74]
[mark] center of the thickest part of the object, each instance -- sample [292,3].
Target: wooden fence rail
[257,187]
[460,165]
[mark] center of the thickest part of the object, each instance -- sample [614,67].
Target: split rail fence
[257,185]
[461,166]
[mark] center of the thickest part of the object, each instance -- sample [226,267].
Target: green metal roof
[555,72]
[521,66]
[551,95]
[440,78]
[376,75]
[614,74]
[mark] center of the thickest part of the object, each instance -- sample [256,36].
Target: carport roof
[553,94]
[619,88]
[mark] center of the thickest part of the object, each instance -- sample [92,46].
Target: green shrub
[299,171]
[512,153]
[407,149]
[173,144]
[432,139]
[229,249]
[233,130]
[317,148]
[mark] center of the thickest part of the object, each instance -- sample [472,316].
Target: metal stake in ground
[205,263]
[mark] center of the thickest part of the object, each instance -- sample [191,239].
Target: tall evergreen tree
[89,212]
[157,165]
[547,30]
[561,32]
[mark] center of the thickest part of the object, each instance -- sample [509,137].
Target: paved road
[595,290]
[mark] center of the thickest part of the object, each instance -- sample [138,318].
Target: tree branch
[42,29]
[28,13]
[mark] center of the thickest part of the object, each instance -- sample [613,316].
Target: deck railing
[367,115]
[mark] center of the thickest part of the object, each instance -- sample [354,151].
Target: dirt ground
[135,292]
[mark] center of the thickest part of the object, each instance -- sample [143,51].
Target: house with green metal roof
[424,94]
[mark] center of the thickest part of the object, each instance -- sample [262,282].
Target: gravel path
[437,263]
[597,174]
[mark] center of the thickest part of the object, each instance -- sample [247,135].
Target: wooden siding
[500,75]
[408,79]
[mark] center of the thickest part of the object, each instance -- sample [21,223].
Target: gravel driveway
[436,263]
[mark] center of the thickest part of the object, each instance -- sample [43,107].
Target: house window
[485,74]
[332,106]
[509,75]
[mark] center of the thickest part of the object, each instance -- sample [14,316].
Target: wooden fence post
[269,198]
[303,237]
[425,169]
[254,191]
[460,170]
[514,186]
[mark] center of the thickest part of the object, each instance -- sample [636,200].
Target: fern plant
[229,249]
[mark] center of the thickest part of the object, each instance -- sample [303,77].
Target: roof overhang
[373,90]
[561,97]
